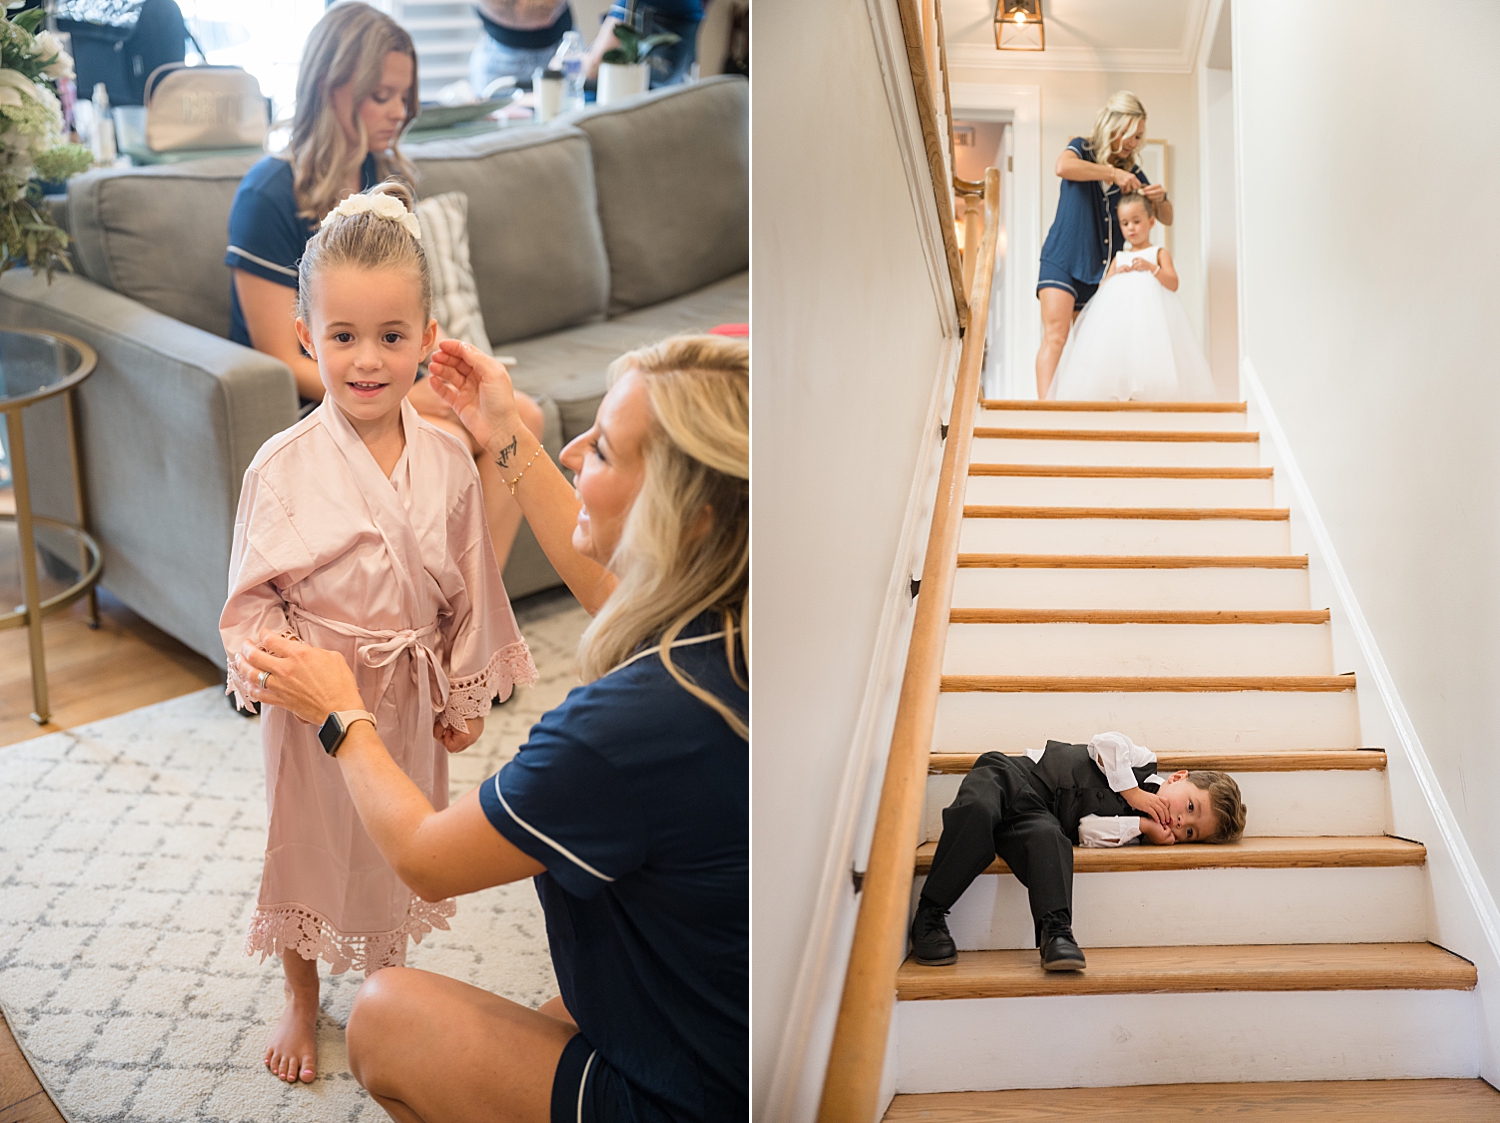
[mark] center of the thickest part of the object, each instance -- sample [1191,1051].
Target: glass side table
[35,366]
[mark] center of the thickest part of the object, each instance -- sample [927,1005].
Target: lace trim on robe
[240,687]
[307,932]
[470,696]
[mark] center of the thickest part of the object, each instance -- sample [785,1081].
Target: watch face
[331,733]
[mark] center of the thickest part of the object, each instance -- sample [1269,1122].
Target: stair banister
[851,1087]
[922,77]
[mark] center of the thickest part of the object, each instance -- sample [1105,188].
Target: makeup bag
[204,107]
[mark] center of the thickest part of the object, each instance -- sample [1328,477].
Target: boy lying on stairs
[1030,811]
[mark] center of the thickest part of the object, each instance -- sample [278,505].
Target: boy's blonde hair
[1228,807]
[347,47]
[1118,117]
[365,241]
[671,569]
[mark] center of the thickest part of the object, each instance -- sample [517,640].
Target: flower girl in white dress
[1133,341]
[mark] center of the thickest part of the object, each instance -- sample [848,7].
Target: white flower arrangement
[33,145]
[382,206]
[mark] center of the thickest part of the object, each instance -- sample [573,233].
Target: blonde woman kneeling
[628,803]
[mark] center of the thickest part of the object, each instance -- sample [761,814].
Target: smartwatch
[336,728]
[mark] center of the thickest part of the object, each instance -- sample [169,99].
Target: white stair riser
[1092,491]
[1139,649]
[1030,450]
[1172,908]
[1131,588]
[1101,1040]
[1238,721]
[1278,804]
[1114,419]
[1124,536]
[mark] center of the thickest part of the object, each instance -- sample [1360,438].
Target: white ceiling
[1150,35]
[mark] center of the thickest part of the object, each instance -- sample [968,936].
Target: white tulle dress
[1132,342]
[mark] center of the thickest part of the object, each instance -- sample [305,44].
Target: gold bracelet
[512,483]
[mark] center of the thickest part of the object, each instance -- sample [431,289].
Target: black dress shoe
[931,946]
[1060,953]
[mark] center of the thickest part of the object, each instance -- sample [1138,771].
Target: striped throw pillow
[445,240]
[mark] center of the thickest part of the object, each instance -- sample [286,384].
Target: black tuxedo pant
[999,812]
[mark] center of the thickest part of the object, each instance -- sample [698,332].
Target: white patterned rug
[130,855]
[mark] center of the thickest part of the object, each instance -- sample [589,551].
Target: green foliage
[634,47]
[33,147]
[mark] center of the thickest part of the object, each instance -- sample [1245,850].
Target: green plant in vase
[622,70]
[33,146]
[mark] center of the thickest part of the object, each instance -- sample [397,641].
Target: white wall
[1070,101]
[1369,283]
[848,341]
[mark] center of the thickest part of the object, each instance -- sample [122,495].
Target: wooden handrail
[852,1085]
[916,57]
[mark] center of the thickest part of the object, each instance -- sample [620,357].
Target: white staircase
[1122,567]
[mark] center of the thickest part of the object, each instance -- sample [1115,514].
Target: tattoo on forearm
[502,458]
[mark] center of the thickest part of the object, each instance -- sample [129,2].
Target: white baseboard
[797,1082]
[1465,919]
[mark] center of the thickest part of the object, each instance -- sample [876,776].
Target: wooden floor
[1354,1101]
[125,664]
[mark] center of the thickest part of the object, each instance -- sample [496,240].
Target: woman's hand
[1156,834]
[453,740]
[479,390]
[1126,181]
[1155,192]
[308,681]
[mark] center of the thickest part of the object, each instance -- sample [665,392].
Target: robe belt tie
[383,647]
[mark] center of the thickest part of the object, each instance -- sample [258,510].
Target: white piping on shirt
[561,849]
[262,261]
[675,643]
[583,1082]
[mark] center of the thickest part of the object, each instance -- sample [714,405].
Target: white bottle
[104,127]
[569,59]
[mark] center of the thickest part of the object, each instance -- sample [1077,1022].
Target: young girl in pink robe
[362,529]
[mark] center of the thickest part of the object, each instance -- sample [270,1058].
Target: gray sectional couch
[598,233]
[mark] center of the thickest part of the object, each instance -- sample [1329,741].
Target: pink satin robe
[400,577]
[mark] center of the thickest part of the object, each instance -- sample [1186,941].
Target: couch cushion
[158,235]
[568,366]
[534,238]
[672,173]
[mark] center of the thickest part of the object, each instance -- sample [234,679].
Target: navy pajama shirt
[1085,232]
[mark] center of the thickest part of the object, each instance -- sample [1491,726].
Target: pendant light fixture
[1018,26]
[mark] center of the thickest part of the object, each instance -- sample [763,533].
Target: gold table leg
[22,488]
[80,504]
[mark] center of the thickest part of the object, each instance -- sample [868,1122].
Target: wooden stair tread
[1259,853]
[1137,616]
[1192,969]
[1287,760]
[1120,471]
[1138,684]
[1180,514]
[1132,561]
[1122,407]
[1175,436]
[1326,1101]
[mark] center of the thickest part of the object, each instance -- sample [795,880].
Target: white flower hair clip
[382,206]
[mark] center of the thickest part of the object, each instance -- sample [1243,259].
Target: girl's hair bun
[397,188]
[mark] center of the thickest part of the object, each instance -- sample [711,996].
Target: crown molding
[974,56]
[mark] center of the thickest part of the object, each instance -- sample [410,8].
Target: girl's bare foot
[292,1054]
